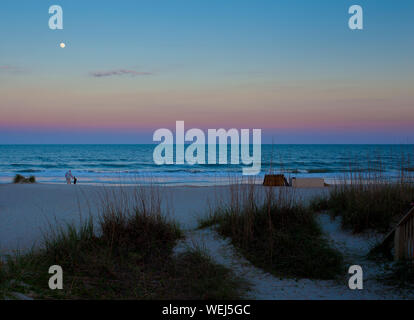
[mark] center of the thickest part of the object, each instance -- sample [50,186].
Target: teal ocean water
[125,164]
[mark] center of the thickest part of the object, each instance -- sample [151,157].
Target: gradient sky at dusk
[291,68]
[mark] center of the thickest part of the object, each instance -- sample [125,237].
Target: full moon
[62,45]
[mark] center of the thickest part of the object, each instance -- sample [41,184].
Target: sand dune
[28,210]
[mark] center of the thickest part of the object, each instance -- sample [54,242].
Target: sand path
[265,286]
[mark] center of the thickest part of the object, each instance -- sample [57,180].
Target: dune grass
[3,281]
[127,254]
[369,201]
[21,179]
[371,207]
[276,234]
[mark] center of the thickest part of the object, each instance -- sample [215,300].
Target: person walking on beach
[68,176]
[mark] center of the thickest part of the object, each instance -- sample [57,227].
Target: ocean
[133,164]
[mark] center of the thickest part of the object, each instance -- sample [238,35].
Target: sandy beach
[29,210]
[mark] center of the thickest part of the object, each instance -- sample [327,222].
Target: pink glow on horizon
[145,127]
[272,108]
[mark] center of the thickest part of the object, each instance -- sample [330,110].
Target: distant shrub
[18,178]
[21,179]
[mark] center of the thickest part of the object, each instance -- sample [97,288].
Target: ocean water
[131,164]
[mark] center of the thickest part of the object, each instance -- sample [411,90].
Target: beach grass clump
[21,179]
[70,245]
[209,280]
[319,203]
[369,201]
[365,207]
[3,281]
[149,234]
[126,254]
[277,234]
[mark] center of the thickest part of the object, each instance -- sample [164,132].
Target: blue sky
[292,68]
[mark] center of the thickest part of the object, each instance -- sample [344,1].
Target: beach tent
[275,180]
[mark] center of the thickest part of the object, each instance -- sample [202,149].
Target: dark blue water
[130,163]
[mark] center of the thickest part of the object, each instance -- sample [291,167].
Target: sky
[291,68]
